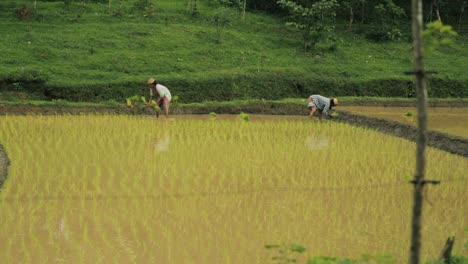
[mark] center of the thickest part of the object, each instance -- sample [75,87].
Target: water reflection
[62,232]
[162,140]
[317,141]
[162,144]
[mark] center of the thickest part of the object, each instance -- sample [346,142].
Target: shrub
[249,85]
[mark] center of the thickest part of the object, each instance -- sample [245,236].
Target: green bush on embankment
[242,86]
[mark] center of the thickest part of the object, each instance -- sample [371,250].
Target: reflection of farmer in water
[164,95]
[317,141]
[322,104]
[161,139]
[161,144]
[61,233]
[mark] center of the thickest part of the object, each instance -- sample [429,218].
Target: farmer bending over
[164,95]
[322,104]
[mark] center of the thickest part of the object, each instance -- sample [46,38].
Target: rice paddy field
[199,189]
[444,119]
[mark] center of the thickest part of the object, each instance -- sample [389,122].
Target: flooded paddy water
[453,121]
[195,189]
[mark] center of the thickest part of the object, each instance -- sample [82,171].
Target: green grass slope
[86,52]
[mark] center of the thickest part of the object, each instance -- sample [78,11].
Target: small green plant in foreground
[212,115]
[244,116]
[409,114]
[285,252]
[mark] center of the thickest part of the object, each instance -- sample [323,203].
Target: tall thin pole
[244,7]
[421,91]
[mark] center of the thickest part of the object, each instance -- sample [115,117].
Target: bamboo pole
[422,131]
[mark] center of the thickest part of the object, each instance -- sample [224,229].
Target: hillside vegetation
[86,51]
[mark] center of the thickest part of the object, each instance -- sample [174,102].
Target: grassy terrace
[85,47]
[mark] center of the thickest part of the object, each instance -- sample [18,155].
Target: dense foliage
[449,11]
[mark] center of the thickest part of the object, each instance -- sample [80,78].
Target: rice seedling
[106,188]
[244,116]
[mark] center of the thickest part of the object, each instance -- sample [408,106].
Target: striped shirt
[162,91]
[322,104]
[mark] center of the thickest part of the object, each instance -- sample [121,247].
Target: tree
[435,7]
[244,7]
[144,6]
[351,5]
[438,35]
[389,14]
[193,7]
[267,5]
[241,5]
[314,22]
[221,19]
[462,9]
[363,10]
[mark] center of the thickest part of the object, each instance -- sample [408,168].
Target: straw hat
[151,81]
[335,101]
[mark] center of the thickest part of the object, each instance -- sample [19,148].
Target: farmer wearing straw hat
[322,104]
[164,95]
